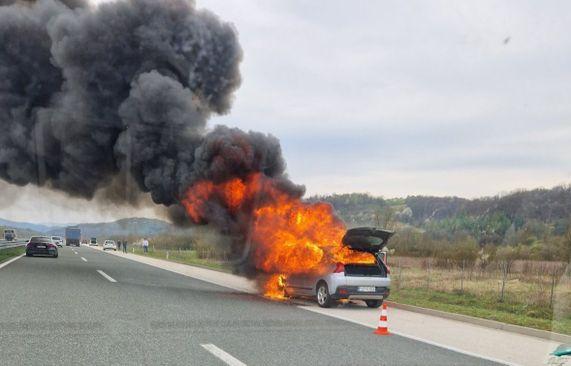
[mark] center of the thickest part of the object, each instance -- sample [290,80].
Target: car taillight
[340,268]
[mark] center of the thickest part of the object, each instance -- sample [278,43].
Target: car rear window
[364,270]
[36,239]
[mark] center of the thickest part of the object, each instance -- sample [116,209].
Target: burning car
[369,282]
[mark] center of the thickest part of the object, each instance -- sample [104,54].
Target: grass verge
[9,253]
[486,307]
[189,257]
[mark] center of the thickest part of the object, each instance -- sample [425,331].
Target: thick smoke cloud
[95,99]
[69,3]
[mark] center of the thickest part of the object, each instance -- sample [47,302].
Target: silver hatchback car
[352,281]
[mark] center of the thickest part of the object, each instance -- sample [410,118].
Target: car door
[299,285]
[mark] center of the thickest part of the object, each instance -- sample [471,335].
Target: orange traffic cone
[383,328]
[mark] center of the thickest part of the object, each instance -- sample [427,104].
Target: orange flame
[288,236]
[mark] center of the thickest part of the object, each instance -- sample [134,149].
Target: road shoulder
[471,339]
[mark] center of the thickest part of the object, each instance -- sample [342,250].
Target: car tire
[374,303]
[55,255]
[324,299]
[28,254]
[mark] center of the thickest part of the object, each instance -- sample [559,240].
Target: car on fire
[41,245]
[349,281]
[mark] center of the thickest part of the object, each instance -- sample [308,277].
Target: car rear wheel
[374,303]
[323,297]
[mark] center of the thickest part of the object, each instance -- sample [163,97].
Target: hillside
[544,205]
[36,228]
[123,227]
[536,213]
[20,232]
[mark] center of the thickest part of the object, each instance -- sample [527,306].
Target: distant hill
[354,208]
[38,228]
[488,219]
[21,233]
[131,226]
[544,205]
[123,227]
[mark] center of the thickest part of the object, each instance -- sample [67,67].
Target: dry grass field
[536,293]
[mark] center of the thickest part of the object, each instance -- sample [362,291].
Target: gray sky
[397,98]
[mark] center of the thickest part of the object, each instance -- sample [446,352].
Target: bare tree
[505,257]
[385,218]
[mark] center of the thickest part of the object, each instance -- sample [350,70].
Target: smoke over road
[99,99]
[92,93]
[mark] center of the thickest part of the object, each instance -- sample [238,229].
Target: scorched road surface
[69,311]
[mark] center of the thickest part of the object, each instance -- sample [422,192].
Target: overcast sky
[398,98]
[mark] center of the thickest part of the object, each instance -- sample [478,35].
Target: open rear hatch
[365,270]
[367,239]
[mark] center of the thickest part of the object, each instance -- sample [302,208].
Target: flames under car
[369,282]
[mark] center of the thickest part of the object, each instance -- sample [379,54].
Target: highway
[88,307]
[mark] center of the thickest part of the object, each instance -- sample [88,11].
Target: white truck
[9,235]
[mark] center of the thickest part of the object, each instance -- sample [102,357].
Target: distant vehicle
[9,235]
[57,241]
[93,242]
[109,244]
[41,245]
[72,236]
[352,281]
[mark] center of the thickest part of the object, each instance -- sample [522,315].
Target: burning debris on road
[92,98]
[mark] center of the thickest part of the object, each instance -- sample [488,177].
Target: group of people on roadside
[124,244]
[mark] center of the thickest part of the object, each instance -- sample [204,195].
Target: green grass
[486,307]
[6,254]
[189,257]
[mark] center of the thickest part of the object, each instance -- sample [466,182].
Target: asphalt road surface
[69,311]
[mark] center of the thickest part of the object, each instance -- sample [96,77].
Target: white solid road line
[224,356]
[83,259]
[111,279]
[468,353]
[10,261]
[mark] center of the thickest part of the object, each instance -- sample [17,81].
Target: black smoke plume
[100,98]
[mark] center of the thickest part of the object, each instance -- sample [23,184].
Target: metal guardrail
[12,244]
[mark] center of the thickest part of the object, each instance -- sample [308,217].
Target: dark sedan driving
[41,245]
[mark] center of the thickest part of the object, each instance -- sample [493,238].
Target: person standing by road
[124,246]
[145,245]
[118,244]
